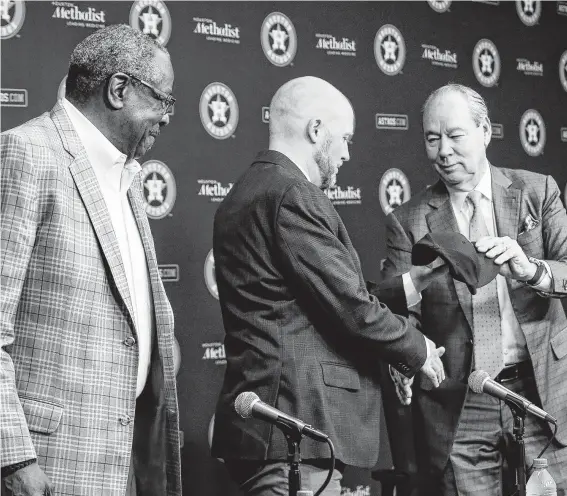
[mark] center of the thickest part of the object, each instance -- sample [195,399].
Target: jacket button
[125,419]
[129,341]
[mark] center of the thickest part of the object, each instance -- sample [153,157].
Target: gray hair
[112,49]
[477,105]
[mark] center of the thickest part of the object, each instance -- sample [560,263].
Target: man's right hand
[433,370]
[29,481]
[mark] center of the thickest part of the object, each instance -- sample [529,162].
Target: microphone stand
[293,436]
[518,458]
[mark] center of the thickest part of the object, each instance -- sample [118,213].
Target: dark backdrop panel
[35,59]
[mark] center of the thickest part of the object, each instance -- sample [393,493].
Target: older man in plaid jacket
[87,386]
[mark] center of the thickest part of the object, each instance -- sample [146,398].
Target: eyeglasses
[166,100]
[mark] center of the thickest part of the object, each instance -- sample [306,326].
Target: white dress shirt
[115,177]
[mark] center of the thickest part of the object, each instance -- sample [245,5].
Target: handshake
[433,374]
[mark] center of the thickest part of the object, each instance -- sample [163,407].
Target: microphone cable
[331,470]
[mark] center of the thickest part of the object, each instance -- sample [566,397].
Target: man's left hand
[508,254]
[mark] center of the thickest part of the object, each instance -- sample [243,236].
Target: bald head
[312,123]
[302,99]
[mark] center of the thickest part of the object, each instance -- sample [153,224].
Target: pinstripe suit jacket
[302,331]
[445,313]
[68,377]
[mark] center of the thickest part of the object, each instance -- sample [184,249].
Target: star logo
[394,190]
[486,63]
[529,11]
[5,7]
[219,110]
[12,15]
[532,132]
[390,47]
[279,39]
[160,189]
[151,17]
[389,50]
[151,21]
[155,186]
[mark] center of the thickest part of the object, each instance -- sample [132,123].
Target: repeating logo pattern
[390,50]
[159,189]
[152,18]
[12,16]
[279,39]
[532,132]
[394,190]
[486,63]
[219,110]
[529,11]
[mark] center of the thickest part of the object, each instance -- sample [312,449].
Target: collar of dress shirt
[458,198]
[107,161]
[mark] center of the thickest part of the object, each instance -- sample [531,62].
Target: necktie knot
[475,196]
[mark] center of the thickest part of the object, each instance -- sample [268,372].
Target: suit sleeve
[18,202]
[554,230]
[324,273]
[398,260]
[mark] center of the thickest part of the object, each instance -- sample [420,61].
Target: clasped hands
[514,264]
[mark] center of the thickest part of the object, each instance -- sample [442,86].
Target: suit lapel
[442,219]
[506,200]
[89,190]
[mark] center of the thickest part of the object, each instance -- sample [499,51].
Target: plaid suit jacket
[68,378]
[445,312]
[302,331]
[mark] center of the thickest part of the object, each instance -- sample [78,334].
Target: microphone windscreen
[476,380]
[244,402]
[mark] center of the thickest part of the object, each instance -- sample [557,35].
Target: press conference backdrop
[229,58]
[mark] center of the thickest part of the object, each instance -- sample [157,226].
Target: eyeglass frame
[166,98]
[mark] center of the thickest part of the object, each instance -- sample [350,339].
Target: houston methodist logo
[219,110]
[486,63]
[12,14]
[532,132]
[159,189]
[279,39]
[389,50]
[152,18]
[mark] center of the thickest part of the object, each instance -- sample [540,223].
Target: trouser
[479,463]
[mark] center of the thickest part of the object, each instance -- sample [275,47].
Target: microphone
[480,381]
[248,405]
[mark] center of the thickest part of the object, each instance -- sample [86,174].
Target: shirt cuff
[412,296]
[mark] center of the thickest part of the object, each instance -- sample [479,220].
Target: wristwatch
[539,273]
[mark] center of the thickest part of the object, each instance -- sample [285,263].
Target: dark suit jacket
[445,313]
[302,331]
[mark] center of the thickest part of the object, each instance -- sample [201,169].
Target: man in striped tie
[514,328]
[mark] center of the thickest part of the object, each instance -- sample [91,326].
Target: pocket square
[529,224]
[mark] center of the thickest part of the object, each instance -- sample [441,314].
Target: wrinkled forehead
[449,110]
